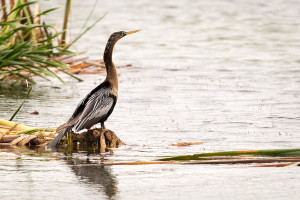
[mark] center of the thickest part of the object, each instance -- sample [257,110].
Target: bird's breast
[114,92]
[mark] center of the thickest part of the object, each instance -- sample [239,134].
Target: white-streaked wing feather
[96,108]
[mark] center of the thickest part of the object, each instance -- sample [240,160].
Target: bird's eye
[123,33]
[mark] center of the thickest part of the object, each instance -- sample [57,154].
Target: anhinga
[100,102]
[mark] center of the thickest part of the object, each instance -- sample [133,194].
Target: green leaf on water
[269,153]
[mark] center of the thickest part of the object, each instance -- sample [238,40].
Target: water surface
[222,72]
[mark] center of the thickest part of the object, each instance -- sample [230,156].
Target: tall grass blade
[16,11]
[16,112]
[86,30]
[79,79]
[89,16]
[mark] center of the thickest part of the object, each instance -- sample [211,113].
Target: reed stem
[65,25]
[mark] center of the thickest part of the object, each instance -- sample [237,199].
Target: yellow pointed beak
[130,32]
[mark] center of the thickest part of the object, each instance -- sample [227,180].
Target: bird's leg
[103,126]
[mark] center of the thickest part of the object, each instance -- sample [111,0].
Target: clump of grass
[29,47]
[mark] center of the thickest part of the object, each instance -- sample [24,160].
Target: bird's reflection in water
[92,172]
[85,164]
[99,175]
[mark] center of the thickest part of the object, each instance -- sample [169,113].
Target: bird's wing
[97,107]
[76,114]
[82,106]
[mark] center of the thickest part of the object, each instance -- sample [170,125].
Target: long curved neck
[112,74]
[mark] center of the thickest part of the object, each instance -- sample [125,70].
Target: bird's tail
[56,140]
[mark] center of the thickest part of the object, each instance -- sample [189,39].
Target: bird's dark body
[97,106]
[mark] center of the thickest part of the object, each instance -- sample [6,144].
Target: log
[11,124]
[37,141]
[99,139]
[8,138]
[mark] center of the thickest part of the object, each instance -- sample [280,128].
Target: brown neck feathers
[112,74]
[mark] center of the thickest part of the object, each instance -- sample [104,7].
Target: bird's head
[118,35]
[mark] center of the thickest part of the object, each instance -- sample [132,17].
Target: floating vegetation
[19,134]
[98,140]
[271,152]
[12,133]
[182,144]
[102,140]
[218,160]
[274,156]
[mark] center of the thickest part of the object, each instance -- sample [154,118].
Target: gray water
[225,73]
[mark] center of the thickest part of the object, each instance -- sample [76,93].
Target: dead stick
[95,64]
[37,11]
[102,143]
[12,4]
[276,165]
[12,128]
[75,60]
[69,56]
[80,66]
[75,71]
[64,57]
[87,72]
[76,64]
[4,14]
[1,135]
